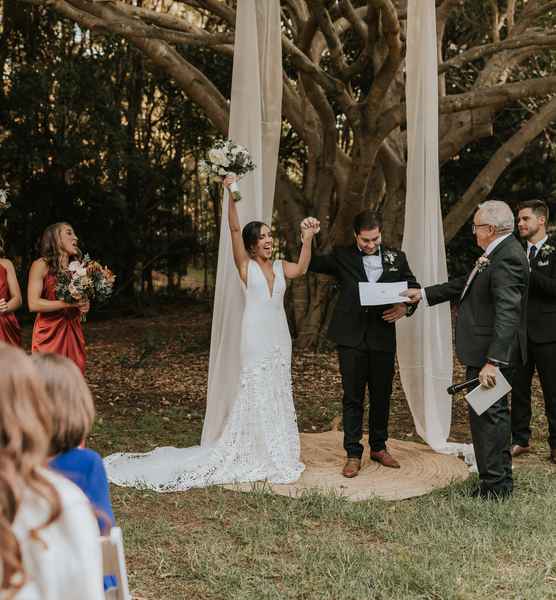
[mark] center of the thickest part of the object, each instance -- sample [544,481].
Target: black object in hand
[458,387]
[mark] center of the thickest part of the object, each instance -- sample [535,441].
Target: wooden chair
[113,563]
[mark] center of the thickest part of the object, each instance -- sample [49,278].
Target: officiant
[490,334]
[365,335]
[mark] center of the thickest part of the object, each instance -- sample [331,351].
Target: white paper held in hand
[482,398]
[378,294]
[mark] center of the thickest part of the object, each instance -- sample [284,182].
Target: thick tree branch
[532,41]
[194,83]
[334,44]
[505,155]
[216,7]
[334,87]
[354,19]
[114,19]
[532,12]
[389,69]
[497,95]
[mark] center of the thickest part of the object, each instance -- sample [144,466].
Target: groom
[365,335]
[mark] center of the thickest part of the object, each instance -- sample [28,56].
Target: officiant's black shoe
[385,459]
[518,450]
[352,467]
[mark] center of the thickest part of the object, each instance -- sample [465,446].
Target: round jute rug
[422,471]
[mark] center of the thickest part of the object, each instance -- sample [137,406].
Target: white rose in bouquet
[78,268]
[217,156]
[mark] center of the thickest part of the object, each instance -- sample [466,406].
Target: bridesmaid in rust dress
[58,324]
[10,301]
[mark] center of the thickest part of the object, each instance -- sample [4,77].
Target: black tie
[532,253]
[363,254]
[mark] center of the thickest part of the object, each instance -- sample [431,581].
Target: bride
[260,440]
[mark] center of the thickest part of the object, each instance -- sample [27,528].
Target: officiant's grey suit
[491,327]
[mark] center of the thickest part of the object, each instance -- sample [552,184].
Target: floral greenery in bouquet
[85,280]
[226,158]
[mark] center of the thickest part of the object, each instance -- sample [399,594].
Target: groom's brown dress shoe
[352,467]
[385,459]
[518,450]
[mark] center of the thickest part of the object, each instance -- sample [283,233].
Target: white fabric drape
[425,340]
[255,121]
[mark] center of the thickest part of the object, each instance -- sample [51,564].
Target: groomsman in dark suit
[541,328]
[490,334]
[365,335]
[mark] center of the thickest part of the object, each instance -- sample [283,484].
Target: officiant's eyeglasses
[475,227]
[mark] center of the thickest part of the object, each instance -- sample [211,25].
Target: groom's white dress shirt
[372,264]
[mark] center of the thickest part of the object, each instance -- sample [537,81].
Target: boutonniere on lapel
[544,255]
[389,258]
[482,263]
[546,251]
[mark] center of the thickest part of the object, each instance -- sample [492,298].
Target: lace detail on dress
[260,441]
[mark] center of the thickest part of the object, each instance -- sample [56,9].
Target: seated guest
[49,538]
[72,409]
[73,412]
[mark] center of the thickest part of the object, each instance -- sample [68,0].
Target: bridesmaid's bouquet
[226,158]
[85,280]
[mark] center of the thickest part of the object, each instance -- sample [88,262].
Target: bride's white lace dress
[260,440]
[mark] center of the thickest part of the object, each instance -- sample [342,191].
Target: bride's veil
[255,122]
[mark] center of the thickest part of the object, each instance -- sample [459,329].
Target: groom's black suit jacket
[352,323]
[541,304]
[492,315]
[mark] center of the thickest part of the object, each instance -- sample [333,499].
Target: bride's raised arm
[241,258]
[309,227]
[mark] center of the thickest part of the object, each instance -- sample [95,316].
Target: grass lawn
[149,379]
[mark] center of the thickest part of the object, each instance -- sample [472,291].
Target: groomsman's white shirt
[373,265]
[538,246]
[490,248]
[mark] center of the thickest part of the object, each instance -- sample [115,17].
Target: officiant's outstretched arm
[365,335]
[490,334]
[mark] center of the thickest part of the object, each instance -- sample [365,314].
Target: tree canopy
[157,83]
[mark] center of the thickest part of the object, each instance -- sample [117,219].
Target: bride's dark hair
[251,234]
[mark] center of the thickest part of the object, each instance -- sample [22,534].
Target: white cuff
[424,297]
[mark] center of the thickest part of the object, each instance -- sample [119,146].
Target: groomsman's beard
[532,233]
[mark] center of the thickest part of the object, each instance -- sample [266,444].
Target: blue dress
[85,468]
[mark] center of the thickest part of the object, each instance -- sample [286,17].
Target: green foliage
[92,136]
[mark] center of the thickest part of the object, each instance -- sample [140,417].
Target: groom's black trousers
[362,368]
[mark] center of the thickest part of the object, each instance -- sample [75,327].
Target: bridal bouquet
[226,158]
[85,280]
